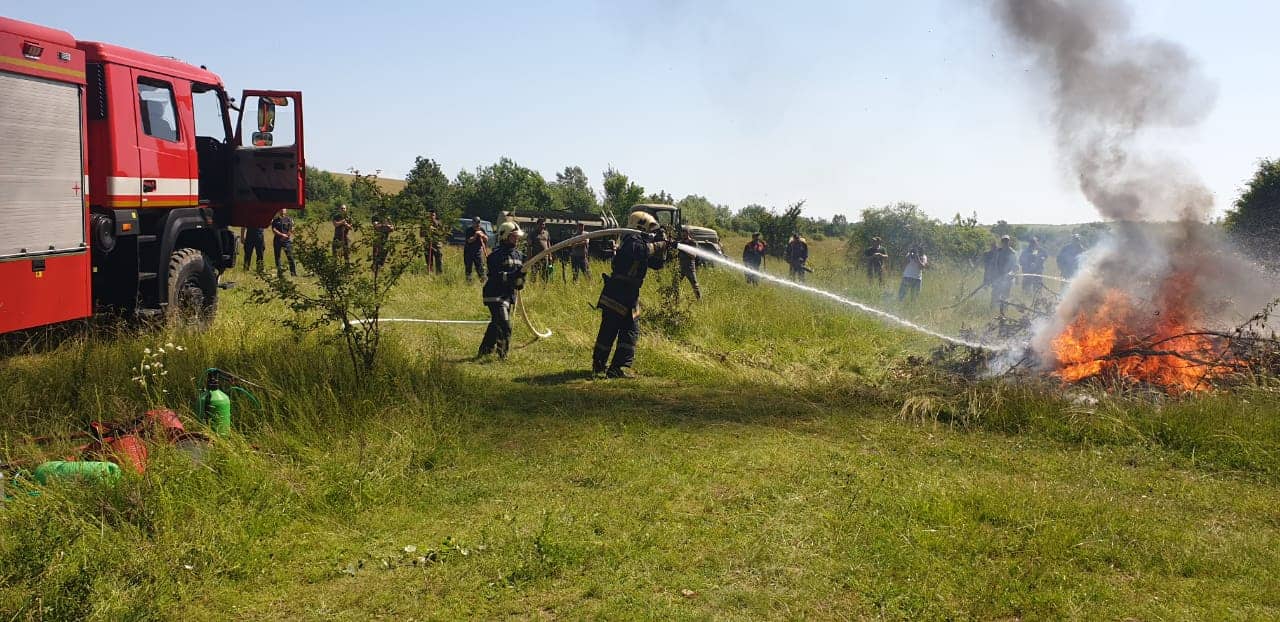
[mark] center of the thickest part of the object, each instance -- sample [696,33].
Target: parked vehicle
[121,173]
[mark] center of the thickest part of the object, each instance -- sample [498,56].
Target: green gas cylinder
[218,410]
[88,470]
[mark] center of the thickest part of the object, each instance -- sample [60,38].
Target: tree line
[487,191]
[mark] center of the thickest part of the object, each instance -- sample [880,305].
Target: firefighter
[1032,262]
[875,256]
[506,277]
[753,257]
[282,239]
[538,242]
[619,302]
[797,256]
[342,233]
[433,242]
[475,249]
[689,263]
[1004,270]
[254,241]
[579,256]
[382,229]
[1069,257]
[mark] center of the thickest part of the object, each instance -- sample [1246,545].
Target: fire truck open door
[269,170]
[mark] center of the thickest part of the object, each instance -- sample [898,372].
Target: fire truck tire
[193,287]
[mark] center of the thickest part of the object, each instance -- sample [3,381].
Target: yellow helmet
[642,220]
[507,228]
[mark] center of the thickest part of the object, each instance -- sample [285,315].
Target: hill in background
[388,185]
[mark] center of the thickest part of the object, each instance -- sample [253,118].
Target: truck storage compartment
[41,210]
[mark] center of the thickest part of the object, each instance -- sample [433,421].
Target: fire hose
[533,262]
[528,267]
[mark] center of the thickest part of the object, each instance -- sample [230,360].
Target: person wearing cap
[282,241]
[1004,270]
[342,234]
[433,242]
[506,277]
[1032,262]
[382,229]
[640,250]
[1069,257]
[753,255]
[540,242]
[689,263]
[474,250]
[579,256]
[797,255]
[875,256]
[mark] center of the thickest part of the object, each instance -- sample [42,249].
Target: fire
[1116,338]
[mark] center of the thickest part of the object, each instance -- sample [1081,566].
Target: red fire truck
[121,173]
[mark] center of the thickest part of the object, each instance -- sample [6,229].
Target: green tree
[620,193]
[503,186]
[426,188]
[697,210]
[660,196]
[901,225]
[325,186]
[344,303]
[572,191]
[1254,220]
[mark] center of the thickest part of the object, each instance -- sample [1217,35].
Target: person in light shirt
[913,274]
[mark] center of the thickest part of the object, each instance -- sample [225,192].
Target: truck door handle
[148,185]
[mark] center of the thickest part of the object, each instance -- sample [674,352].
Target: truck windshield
[210,116]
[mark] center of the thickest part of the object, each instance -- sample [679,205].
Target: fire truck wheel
[193,286]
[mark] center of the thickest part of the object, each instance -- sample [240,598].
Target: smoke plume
[1109,86]
[1110,90]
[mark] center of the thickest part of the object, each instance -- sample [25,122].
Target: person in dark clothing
[474,250]
[797,256]
[619,302]
[382,229]
[875,256]
[342,234]
[282,230]
[1004,269]
[1032,262]
[579,256]
[753,256]
[254,241]
[539,242]
[433,242]
[506,277]
[1069,257]
[689,263]
[989,264]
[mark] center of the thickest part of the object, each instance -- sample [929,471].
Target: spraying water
[883,315]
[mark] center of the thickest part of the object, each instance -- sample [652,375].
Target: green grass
[777,458]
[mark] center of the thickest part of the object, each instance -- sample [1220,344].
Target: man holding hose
[506,277]
[619,302]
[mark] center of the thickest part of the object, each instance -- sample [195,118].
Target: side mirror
[266,117]
[262,139]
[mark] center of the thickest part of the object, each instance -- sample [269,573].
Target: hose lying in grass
[532,263]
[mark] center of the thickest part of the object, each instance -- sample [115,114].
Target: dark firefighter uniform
[619,302]
[506,277]
[689,267]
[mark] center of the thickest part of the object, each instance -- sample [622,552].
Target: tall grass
[780,457]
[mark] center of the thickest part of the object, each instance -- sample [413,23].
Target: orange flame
[1117,340]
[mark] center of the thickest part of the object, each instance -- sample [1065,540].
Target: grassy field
[778,457]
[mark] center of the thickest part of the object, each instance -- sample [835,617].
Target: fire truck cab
[121,173]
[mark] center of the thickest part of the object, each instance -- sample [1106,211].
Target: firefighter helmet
[507,228]
[641,220]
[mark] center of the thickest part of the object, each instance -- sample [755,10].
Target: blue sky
[843,104]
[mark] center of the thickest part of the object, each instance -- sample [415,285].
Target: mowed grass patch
[763,465]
